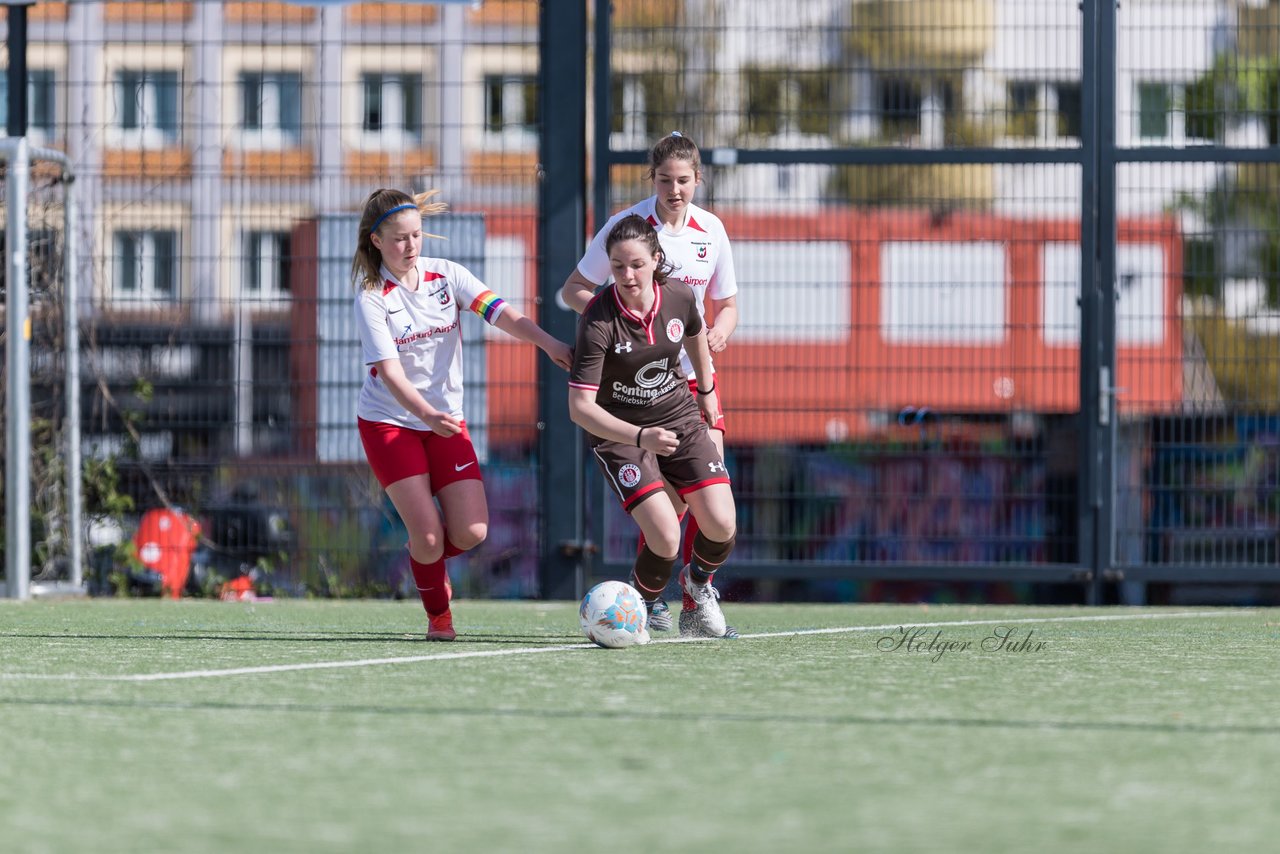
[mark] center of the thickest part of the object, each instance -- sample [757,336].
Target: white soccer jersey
[422,329]
[699,252]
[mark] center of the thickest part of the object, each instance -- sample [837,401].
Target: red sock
[686,545]
[686,555]
[679,519]
[450,550]
[433,585]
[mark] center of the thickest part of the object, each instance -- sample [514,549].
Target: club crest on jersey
[629,475]
[702,251]
[443,296]
[675,330]
[622,347]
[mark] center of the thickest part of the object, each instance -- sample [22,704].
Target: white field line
[530,650]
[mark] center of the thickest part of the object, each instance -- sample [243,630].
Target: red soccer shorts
[395,453]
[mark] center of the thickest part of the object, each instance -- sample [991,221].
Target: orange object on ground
[237,590]
[165,542]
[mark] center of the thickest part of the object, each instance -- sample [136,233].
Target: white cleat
[706,620]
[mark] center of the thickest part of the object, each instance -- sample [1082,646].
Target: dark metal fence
[1008,280]
[1008,273]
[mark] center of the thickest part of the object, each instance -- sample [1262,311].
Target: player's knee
[467,537]
[720,527]
[426,547]
[664,542]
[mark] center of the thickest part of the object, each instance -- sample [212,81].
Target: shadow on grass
[674,715]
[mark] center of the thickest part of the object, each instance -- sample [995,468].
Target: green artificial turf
[1123,734]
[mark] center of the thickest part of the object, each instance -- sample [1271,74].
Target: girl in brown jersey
[628,391]
[695,243]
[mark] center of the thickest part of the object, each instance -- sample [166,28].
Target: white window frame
[396,130]
[148,134]
[360,62]
[145,289]
[1175,114]
[634,110]
[1046,107]
[518,131]
[1175,128]
[271,133]
[270,245]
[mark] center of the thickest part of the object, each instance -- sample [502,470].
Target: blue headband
[377,222]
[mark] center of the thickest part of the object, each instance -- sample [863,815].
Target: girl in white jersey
[408,310]
[694,242]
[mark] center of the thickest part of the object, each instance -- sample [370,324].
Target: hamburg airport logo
[629,475]
[675,330]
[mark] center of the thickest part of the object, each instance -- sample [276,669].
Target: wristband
[639,433]
[708,391]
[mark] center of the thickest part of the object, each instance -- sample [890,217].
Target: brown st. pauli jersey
[632,363]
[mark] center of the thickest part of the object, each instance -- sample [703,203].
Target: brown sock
[651,573]
[708,556]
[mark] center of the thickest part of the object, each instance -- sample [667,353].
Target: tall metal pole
[1088,489]
[16,123]
[71,336]
[1104,537]
[561,227]
[1096,536]
[17,464]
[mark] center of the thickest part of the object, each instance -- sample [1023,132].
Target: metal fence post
[561,226]
[71,334]
[1096,499]
[1105,418]
[17,466]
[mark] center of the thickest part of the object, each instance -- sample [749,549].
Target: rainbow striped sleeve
[488,305]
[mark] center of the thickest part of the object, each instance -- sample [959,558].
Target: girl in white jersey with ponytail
[694,242]
[408,310]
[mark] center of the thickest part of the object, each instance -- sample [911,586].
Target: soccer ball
[613,615]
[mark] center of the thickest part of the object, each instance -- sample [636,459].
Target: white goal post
[17,155]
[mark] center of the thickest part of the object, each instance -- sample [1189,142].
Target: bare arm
[518,326]
[577,291]
[391,372]
[726,312]
[593,418]
[700,356]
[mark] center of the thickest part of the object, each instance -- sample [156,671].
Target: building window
[41,104]
[1045,111]
[147,106]
[392,106]
[271,107]
[146,265]
[267,259]
[1155,101]
[1068,109]
[511,108]
[1176,112]
[1022,109]
[638,115]
[787,102]
[900,104]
